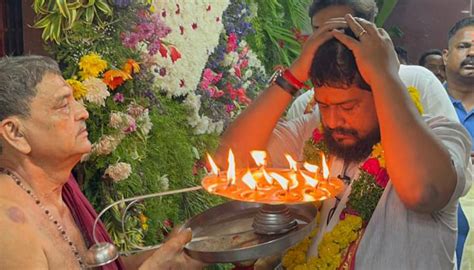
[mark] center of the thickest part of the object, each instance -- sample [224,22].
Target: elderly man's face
[349,120]
[460,56]
[56,126]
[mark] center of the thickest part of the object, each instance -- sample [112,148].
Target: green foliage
[56,17]
[275,22]
[365,195]
[385,9]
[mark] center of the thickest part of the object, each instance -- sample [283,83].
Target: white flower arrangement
[196,26]
[96,91]
[119,171]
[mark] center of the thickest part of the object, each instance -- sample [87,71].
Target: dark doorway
[11,28]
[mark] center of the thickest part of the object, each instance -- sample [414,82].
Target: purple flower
[119,98]
[229,108]
[131,127]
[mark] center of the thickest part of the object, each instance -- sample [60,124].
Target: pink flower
[232,42]
[382,178]
[229,108]
[119,98]
[371,166]
[237,71]
[317,135]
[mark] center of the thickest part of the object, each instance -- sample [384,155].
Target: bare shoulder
[21,247]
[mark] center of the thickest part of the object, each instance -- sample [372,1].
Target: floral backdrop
[161,80]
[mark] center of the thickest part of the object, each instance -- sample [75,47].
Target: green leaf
[38,7]
[74,5]
[104,7]
[44,22]
[88,3]
[90,14]
[62,7]
[71,19]
[384,11]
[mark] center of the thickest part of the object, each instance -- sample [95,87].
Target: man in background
[459,62]
[433,60]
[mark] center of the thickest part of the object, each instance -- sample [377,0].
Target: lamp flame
[292,162]
[325,167]
[310,167]
[214,168]
[309,180]
[267,176]
[231,169]
[294,181]
[259,157]
[280,179]
[249,180]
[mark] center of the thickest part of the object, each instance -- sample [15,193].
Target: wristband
[285,85]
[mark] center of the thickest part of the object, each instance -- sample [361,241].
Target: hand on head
[300,69]
[171,255]
[373,49]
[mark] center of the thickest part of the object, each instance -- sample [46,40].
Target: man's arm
[20,248]
[252,129]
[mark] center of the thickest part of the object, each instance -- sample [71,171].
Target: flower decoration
[118,172]
[96,91]
[91,65]
[115,77]
[149,30]
[131,66]
[78,89]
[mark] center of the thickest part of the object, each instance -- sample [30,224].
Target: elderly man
[42,212]
[411,223]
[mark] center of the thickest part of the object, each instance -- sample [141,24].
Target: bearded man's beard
[355,152]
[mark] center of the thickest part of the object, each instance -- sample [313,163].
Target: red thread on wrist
[289,77]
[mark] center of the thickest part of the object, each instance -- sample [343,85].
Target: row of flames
[260,160]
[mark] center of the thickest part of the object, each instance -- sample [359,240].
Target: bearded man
[362,101]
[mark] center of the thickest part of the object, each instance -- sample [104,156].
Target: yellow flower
[378,153]
[78,89]
[91,65]
[415,97]
[131,67]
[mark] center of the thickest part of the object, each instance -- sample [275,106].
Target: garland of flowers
[365,194]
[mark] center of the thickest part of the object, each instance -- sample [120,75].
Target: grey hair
[19,77]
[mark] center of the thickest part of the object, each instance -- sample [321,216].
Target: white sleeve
[289,137]
[298,106]
[434,96]
[457,141]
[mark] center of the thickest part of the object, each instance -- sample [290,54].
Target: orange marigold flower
[114,78]
[131,66]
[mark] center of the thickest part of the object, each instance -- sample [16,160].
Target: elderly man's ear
[12,132]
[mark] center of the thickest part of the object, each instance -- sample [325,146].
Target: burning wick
[260,159]
[231,169]
[214,168]
[292,163]
[281,180]
[251,183]
[312,169]
[325,168]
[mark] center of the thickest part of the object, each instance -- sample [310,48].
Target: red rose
[317,135]
[382,178]
[372,166]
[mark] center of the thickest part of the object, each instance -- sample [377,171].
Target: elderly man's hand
[171,256]
[300,68]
